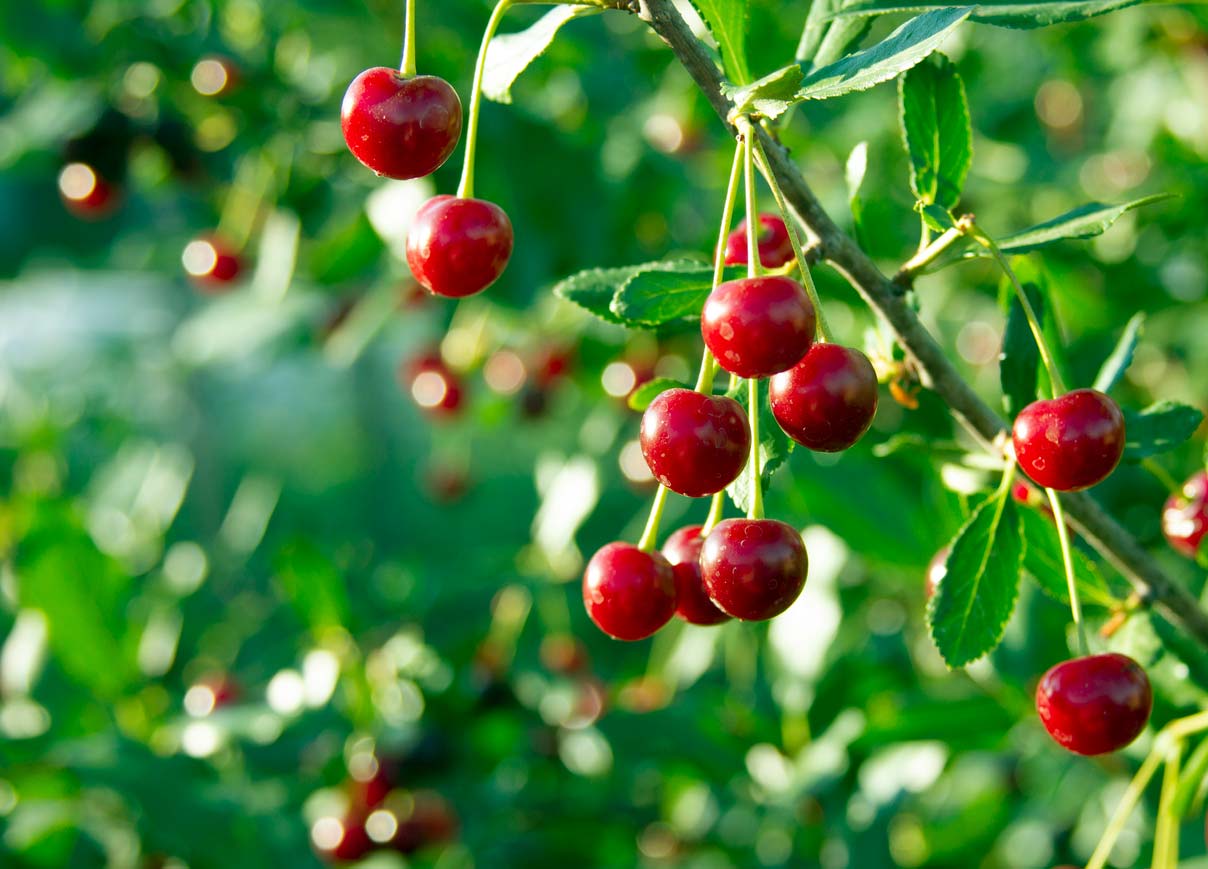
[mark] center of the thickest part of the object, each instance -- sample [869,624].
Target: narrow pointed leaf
[1086,221]
[1117,364]
[1159,428]
[1043,562]
[727,21]
[1006,13]
[1019,362]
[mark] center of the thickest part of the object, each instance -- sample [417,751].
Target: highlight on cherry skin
[695,444]
[86,193]
[1094,704]
[1185,516]
[682,551]
[432,385]
[753,569]
[400,126]
[628,593]
[213,265]
[458,247]
[775,246]
[1071,442]
[827,401]
[757,327]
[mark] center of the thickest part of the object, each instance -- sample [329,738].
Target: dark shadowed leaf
[1019,362]
[1043,562]
[1121,357]
[1158,428]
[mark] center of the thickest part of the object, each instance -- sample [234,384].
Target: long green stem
[1166,833]
[756,511]
[1067,558]
[409,40]
[1128,802]
[930,252]
[716,510]
[466,189]
[754,267]
[704,382]
[651,533]
[798,250]
[1029,312]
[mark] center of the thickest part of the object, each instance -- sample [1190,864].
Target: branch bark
[937,373]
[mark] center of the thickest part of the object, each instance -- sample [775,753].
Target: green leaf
[974,602]
[593,289]
[770,96]
[641,397]
[855,170]
[1086,221]
[936,130]
[1039,13]
[661,292]
[898,52]
[727,21]
[936,217]
[1019,362]
[774,447]
[1117,363]
[1158,428]
[1043,562]
[510,54]
[313,585]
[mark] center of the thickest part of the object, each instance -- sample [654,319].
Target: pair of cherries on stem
[749,569]
[406,126]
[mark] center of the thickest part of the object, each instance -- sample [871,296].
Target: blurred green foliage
[234,498]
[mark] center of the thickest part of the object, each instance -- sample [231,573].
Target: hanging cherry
[1070,442]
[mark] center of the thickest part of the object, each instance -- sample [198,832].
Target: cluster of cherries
[696,443]
[406,126]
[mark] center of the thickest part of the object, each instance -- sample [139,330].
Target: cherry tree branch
[936,371]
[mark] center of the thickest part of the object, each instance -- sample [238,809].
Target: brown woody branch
[1114,543]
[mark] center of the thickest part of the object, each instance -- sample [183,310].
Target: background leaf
[1158,428]
[510,54]
[593,289]
[1019,361]
[936,130]
[1041,13]
[727,21]
[1043,562]
[665,292]
[1115,366]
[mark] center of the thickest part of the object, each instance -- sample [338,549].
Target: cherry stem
[1050,366]
[651,533]
[930,252]
[756,511]
[1166,831]
[1067,558]
[790,222]
[465,190]
[716,509]
[408,66]
[704,382]
[754,263]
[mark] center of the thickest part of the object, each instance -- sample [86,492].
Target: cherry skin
[757,327]
[753,569]
[458,247]
[431,820]
[213,265]
[86,193]
[1185,516]
[432,385]
[400,126]
[628,593]
[775,247]
[354,842]
[1071,442]
[695,444]
[827,400]
[682,550]
[1096,704]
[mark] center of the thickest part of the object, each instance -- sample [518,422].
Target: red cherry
[212,264]
[828,400]
[215,76]
[682,551]
[400,126]
[432,385]
[628,593]
[753,569]
[775,247]
[458,247]
[1095,704]
[1185,516]
[85,193]
[429,821]
[695,444]
[1071,442]
[757,327]
[353,842]
[937,570]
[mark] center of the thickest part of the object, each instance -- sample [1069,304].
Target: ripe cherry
[682,550]
[458,247]
[86,194]
[695,444]
[628,593]
[937,570]
[827,400]
[1071,442]
[400,126]
[1185,516]
[433,386]
[757,327]
[342,840]
[1095,704]
[753,569]
[775,247]
[213,265]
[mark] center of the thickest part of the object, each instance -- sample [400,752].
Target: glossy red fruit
[432,385]
[827,400]
[1095,704]
[85,193]
[682,551]
[458,247]
[757,327]
[695,444]
[937,570]
[1185,516]
[213,265]
[342,840]
[628,593]
[1071,442]
[775,247]
[400,126]
[753,569]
